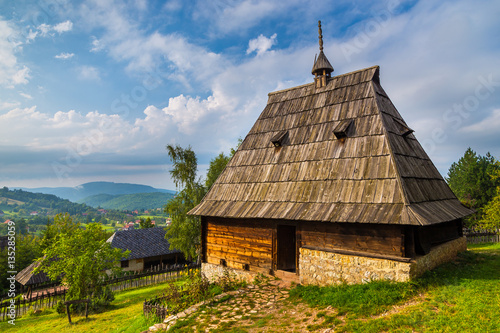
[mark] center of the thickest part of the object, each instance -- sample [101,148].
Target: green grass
[124,315]
[459,296]
[363,299]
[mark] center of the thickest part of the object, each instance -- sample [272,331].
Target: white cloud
[90,73]
[47,30]
[261,44]
[63,27]
[8,105]
[27,96]
[21,76]
[64,55]
[488,125]
[11,73]
[97,45]
[237,16]
[44,29]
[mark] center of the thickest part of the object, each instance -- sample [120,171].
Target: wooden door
[287,252]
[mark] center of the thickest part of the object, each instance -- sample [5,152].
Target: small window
[124,263]
[279,139]
[340,131]
[223,263]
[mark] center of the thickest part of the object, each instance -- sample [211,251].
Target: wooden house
[148,248]
[330,185]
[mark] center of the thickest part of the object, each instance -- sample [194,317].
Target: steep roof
[26,276]
[142,243]
[347,156]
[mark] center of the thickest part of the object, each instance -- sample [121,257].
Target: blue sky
[95,90]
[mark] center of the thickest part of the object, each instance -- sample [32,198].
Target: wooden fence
[475,236]
[49,298]
[21,306]
[155,275]
[155,307]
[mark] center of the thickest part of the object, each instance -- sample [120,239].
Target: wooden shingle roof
[27,278]
[376,173]
[142,243]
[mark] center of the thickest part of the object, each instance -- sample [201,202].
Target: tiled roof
[142,243]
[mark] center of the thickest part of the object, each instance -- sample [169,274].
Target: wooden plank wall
[251,244]
[240,243]
[372,238]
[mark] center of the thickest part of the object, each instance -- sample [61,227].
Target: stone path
[256,308]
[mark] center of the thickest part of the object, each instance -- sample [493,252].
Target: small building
[30,281]
[330,185]
[148,248]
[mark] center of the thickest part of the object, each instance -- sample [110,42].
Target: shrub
[60,307]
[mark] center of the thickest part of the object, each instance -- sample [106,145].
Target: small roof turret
[321,64]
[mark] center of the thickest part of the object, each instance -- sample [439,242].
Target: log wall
[250,244]
[371,238]
[242,244]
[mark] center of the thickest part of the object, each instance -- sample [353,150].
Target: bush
[60,307]
[101,298]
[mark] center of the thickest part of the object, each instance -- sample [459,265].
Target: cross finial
[320,36]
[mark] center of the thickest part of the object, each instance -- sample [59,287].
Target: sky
[95,90]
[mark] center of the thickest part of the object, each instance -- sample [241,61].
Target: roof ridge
[333,77]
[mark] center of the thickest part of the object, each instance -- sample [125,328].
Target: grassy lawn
[462,296]
[124,315]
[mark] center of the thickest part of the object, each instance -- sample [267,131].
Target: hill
[128,201]
[23,201]
[93,188]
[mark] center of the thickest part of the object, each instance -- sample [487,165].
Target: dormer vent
[402,128]
[279,139]
[340,131]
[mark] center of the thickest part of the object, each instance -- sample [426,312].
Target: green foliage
[178,297]
[362,299]
[134,201]
[39,201]
[491,217]
[60,307]
[217,165]
[184,231]
[145,223]
[80,257]
[471,180]
[27,250]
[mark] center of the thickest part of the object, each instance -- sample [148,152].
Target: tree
[145,223]
[184,231]
[80,257]
[217,165]
[491,217]
[470,179]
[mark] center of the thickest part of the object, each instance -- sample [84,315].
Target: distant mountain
[90,189]
[128,201]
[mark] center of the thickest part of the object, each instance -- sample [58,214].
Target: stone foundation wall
[213,272]
[324,268]
[438,255]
